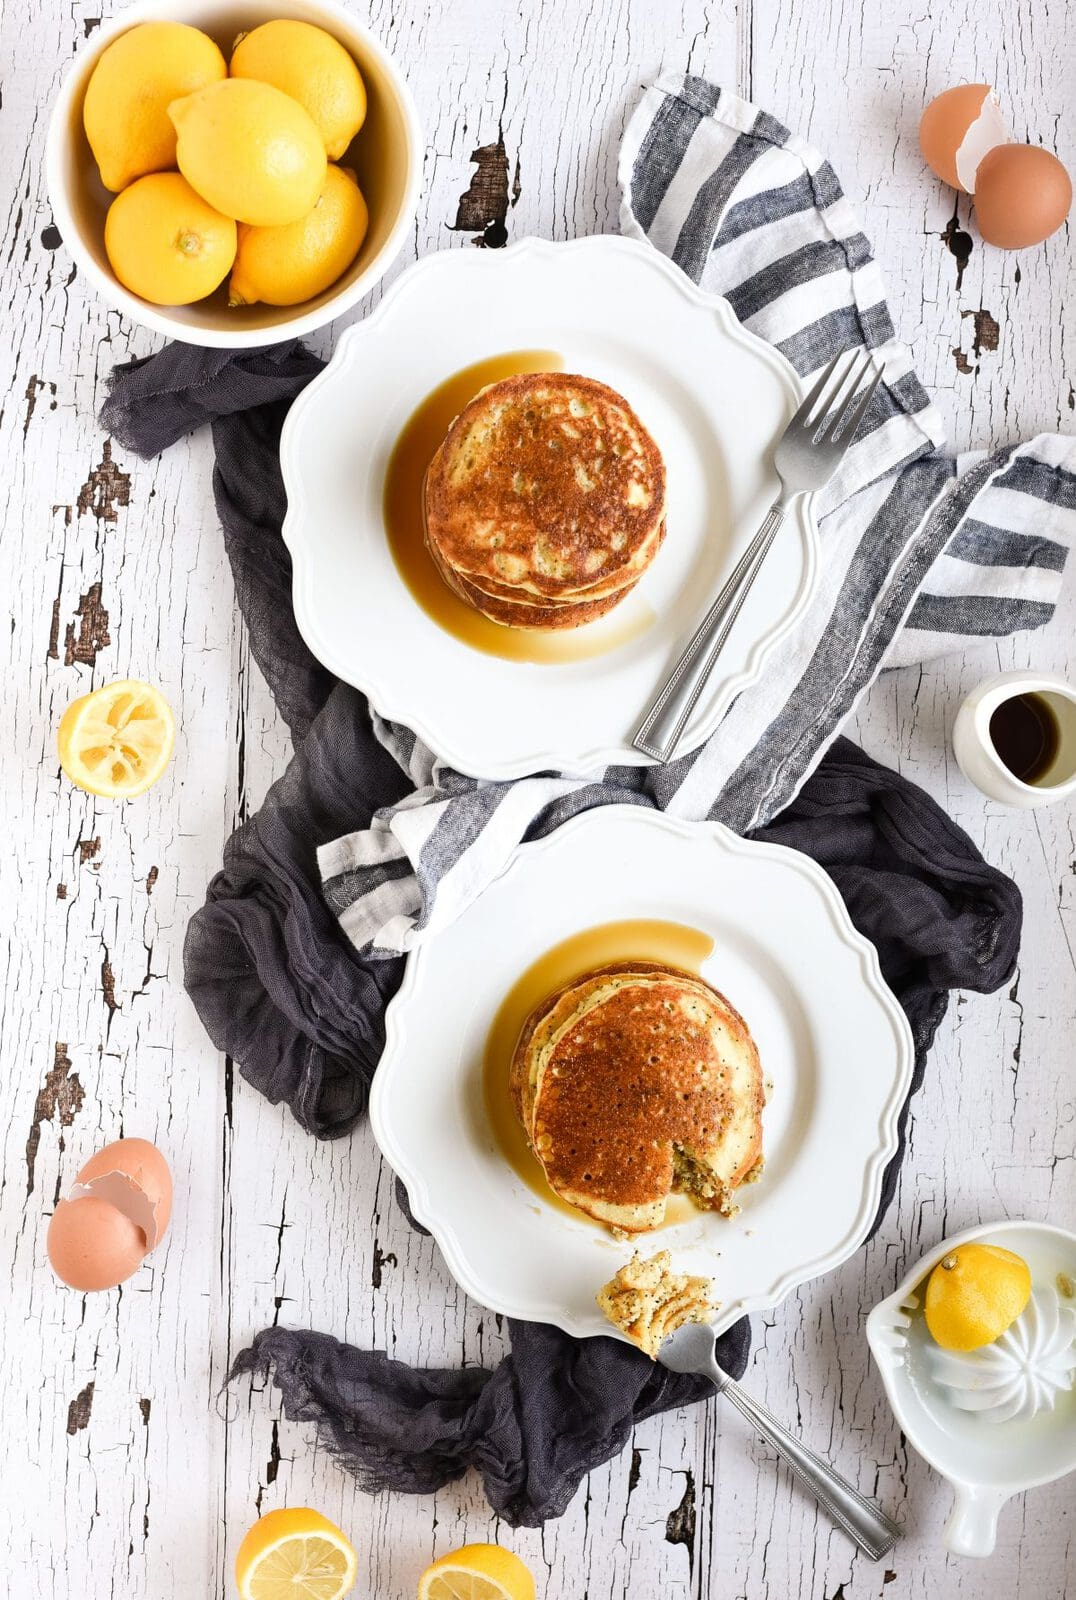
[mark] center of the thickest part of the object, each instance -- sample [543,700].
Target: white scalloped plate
[715,398]
[834,1043]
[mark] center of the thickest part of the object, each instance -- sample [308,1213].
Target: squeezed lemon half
[974,1294]
[295,1554]
[118,740]
[477,1572]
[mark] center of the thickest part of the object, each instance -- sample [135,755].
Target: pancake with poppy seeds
[547,492]
[648,1301]
[635,1081]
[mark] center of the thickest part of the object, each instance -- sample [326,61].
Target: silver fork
[807,455]
[691,1349]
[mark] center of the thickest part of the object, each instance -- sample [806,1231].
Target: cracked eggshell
[92,1245]
[957,130]
[117,1211]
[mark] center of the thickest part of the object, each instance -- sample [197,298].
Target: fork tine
[829,421]
[850,427]
[808,405]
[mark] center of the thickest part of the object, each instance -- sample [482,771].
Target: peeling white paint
[149,1499]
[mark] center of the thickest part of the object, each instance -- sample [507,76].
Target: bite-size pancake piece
[648,1301]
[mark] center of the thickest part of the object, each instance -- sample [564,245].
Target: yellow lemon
[125,111]
[295,1555]
[250,150]
[974,1294]
[479,1571]
[284,266]
[165,243]
[118,740]
[314,68]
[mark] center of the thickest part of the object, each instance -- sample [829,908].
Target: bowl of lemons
[233,175]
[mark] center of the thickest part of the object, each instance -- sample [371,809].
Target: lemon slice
[477,1572]
[117,740]
[295,1555]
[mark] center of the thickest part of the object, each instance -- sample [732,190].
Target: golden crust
[525,614]
[547,487]
[614,587]
[634,1081]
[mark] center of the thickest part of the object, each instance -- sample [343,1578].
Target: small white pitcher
[979,761]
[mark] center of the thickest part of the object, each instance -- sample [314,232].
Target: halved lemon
[477,1572]
[117,740]
[295,1555]
[974,1294]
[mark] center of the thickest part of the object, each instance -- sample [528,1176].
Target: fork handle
[664,721]
[861,1519]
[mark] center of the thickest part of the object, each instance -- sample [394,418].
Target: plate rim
[423,1210]
[373,682]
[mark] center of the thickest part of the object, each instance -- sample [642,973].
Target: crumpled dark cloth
[280,989]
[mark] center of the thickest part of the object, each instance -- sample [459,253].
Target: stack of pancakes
[634,1081]
[546,502]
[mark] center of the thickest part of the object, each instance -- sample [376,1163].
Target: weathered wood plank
[132,1472]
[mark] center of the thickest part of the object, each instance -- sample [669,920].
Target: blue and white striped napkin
[923,552]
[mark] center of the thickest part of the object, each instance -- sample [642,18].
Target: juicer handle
[972,1529]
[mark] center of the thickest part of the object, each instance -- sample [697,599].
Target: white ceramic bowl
[386,155]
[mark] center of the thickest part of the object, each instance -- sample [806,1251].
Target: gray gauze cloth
[298,1000]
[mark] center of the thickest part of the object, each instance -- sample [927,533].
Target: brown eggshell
[943,125]
[92,1245]
[1022,196]
[143,1172]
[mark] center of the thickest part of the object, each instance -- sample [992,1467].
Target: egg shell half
[93,1245]
[133,1175]
[1022,195]
[944,125]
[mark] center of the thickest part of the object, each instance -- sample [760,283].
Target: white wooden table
[124,1473]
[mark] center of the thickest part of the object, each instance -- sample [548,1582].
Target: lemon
[286,265]
[477,1572]
[117,740]
[125,110]
[974,1294]
[314,68]
[295,1555]
[165,243]
[250,150]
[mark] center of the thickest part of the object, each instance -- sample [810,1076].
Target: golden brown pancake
[529,613]
[647,1300]
[634,1081]
[546,489]
[616,587]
